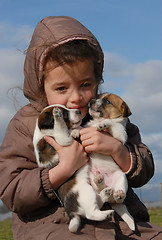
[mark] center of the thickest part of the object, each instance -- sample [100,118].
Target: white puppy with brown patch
[109,112]
[77,195]
[56,121]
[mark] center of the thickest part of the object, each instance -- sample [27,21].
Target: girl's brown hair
[76,50]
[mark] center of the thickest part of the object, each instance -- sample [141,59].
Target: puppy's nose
[78,112]
[91,102]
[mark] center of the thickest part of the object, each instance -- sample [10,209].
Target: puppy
[109,113]
[77,195]
[56,121]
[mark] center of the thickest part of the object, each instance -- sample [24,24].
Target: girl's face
[72,85]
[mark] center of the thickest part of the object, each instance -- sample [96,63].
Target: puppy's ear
[46,120]
[125,110]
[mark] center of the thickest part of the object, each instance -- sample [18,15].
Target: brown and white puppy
[110,113]
[77,195]
[56,121]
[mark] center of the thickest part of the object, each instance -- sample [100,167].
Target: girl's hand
[95,141]
[103,143]
[71,158]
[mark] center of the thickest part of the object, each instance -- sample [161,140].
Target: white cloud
[116,65]
[11,68]
[154,142]
[153,139]
[11,76]
[18,36]
[150,186]
[146,84]
[144,95]
[140,85]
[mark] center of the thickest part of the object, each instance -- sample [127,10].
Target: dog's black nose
[91,102]
[78,111]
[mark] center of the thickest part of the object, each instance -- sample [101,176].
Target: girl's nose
[75,96]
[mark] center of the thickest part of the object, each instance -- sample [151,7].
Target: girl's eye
[61,89]
[86,84]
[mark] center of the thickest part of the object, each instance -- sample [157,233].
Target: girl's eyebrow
[59,83]
[86,79]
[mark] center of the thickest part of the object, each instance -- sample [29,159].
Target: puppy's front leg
[61,132]
[75,132]
[117,130]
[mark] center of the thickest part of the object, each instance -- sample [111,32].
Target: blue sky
[130,33]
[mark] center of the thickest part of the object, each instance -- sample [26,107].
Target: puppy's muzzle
[96,105]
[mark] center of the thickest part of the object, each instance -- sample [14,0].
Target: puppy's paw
[57,113]
[102,126]
[119,196]
[106,194]
[75,133]
[110,214]
[99,181]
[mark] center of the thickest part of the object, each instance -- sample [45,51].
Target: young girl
[64,65]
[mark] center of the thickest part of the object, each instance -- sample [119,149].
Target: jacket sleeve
[24,186]
[142,168]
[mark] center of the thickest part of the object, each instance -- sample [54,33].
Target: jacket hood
[49,33]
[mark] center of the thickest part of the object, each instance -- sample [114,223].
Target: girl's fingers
[52,142]
[87,142]
[87,133]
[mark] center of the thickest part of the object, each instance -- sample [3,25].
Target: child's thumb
[52,142]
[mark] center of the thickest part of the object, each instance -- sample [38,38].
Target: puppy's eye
[65,114]
[106,101]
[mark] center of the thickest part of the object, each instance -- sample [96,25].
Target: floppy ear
[125,110]
[46,120]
